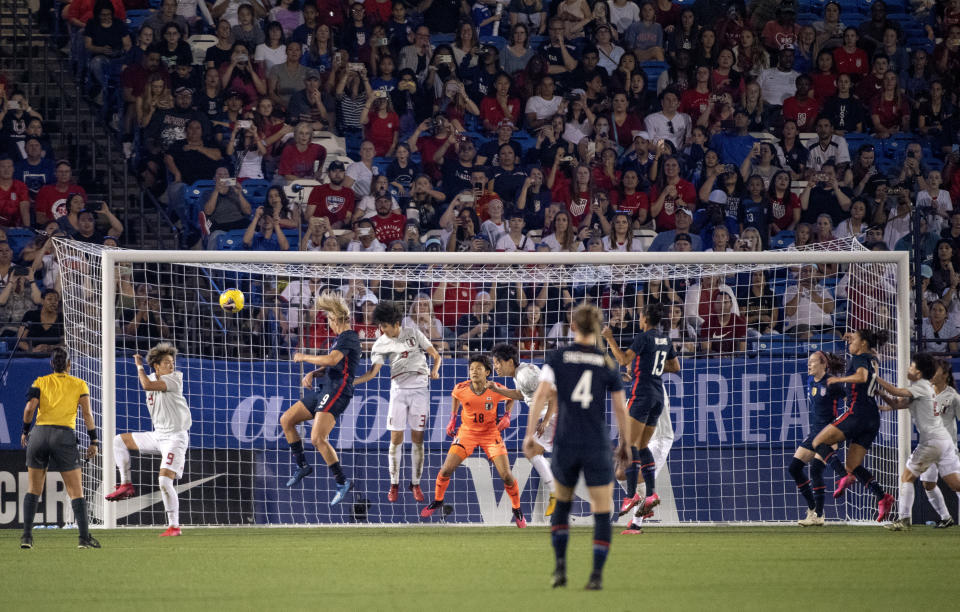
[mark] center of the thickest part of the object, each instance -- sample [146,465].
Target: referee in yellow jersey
[52,444]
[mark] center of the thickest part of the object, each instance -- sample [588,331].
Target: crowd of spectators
[571,125]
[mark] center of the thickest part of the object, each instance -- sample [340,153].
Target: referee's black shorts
[53,448]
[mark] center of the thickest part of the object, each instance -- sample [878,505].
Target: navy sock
[648,467]
[297,449]
[560,531]
[816,479]
[866,479]
[796,470]
[633,471]
[338,473]
[30,502]
[834,461]
[80,515]
[601,540]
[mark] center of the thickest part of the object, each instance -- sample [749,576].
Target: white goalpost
[738,406]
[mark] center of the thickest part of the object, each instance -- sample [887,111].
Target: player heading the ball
[574,382]
[479,426]
[170,437]
[407,349]
[526,378]
[333,395]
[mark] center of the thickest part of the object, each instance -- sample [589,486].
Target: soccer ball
[232,300]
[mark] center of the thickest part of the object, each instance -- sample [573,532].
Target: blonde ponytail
[334,305]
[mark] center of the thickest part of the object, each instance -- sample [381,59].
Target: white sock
[939,504]
[905,506]
[394,458]
[121,455]
[171,502]
[416,459]
[542,465]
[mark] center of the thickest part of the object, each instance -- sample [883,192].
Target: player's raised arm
[546,395]
[623,358]
[330,359]
[513,394]
[434,354]
[858,377]
[893,390]
[145,382]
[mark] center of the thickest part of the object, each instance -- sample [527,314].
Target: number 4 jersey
[653,350]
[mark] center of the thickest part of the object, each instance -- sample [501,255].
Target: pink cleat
[845,483]
[646,510]
[433,507]
[884,506]
[123,491]
[518,518]
[632,529]
[629,503]
[417,492]
[171,532]
[393,493]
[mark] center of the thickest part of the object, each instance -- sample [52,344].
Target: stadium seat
[199,43]
[193,197]
[495,41]
[782,240]
[18,238]
[335,145]
[231,241]
[441,39]
[136,17]
[293,237]
[255,190]
[653,71]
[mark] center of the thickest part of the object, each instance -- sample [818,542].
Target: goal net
[743,325]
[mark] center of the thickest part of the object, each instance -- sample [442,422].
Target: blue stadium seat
[255,190]
[653,71]
[136,17]
[231,241]
[18,238]
[192,197]
[495,41]
[441,39]
[782,240]
[382,163]
[293,237]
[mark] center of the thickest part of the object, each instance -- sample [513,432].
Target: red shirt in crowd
[804,112]
[686,192]
[781,210]
[10,200]
[428,148]
[633,203]
[389,228]
[890,112]
[723,336]
[492,112]
[694,103]
[578,207]
[82,10]
[457,301]
[824,85]
[294,162]
[334,204]
[331,13]
[855,64]
[378,12]
[52,202]
[381,131]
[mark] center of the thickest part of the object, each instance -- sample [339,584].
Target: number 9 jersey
[653,350]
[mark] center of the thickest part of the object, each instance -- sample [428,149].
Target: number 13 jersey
[653,350]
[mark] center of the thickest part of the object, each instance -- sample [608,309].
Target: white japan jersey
[407,355]
[168,409]
[922,409]
[947,405]
[527,378]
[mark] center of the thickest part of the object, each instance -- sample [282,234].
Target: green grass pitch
[489,569]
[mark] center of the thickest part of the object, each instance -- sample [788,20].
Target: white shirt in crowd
[777,85]
[635,245]
[808,311]
[506,244]
[676,130]
[837,150]
[168,409]
[362,177]
[543,109]
[270,57]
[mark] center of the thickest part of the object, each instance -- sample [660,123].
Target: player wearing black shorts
[649,357]
[826,403]
[52,443]
[574,383]
[860,424]
[335,390]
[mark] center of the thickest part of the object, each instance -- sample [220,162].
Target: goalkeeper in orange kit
[479,426]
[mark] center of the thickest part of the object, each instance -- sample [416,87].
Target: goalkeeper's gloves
[504,422]
[452,426]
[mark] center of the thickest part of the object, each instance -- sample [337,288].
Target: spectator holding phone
[382,123]
[264,232]
[226,208]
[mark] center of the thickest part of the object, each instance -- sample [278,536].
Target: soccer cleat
[903,524]
[595,583]
[417,492]
[944,523]
[629,503]
[518,518]
[171,532]
[884,506]
[433,507]
[845,483]
[811,520]
[26,541]
[88,542]
[651,502]
[123,491]
[559,576]
[551,505]
[342,491]
[632,529]
[301,473]
[393,494]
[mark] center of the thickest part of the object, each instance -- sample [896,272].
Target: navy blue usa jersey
[653,350]
[826,401]
[341,375]
[861,398]
[583,378]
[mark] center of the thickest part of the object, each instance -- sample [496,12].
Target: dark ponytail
[875,338]
[653,313]
[59,360]
[832,362]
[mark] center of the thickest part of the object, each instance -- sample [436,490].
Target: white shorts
[408,408]
[938,454]
[172,448]
[546,440]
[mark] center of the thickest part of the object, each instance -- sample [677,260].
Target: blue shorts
[326,400]
[596,464]
[646,410]
[815,428]
[858,429]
